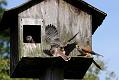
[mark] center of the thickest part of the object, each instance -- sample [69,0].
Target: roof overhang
[35,67]
[10,17]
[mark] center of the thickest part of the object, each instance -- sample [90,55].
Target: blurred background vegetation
[92,74]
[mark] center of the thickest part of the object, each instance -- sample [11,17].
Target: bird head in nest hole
[29,39]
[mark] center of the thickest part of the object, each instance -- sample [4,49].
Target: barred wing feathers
[51,34]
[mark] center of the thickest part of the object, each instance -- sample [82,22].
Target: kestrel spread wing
[69,48]
[72,37]
[58,48]
[52,37]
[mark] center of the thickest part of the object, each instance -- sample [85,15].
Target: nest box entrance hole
[32,30]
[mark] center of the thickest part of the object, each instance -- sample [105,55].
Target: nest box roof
[35,67]
[10,16]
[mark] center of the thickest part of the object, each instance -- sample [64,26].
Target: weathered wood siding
[68,20]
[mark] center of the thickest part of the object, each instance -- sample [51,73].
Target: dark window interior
[34,31]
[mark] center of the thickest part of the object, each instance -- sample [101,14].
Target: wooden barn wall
[68,19]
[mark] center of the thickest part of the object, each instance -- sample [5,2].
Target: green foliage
[111,76]
[4,43]
[4,70]
[4,35]
[93,72]
[2,3]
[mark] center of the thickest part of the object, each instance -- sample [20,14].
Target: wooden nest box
[47,21]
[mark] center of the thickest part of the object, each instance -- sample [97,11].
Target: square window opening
[32,33]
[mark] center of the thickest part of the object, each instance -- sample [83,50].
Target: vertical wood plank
[53,73]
